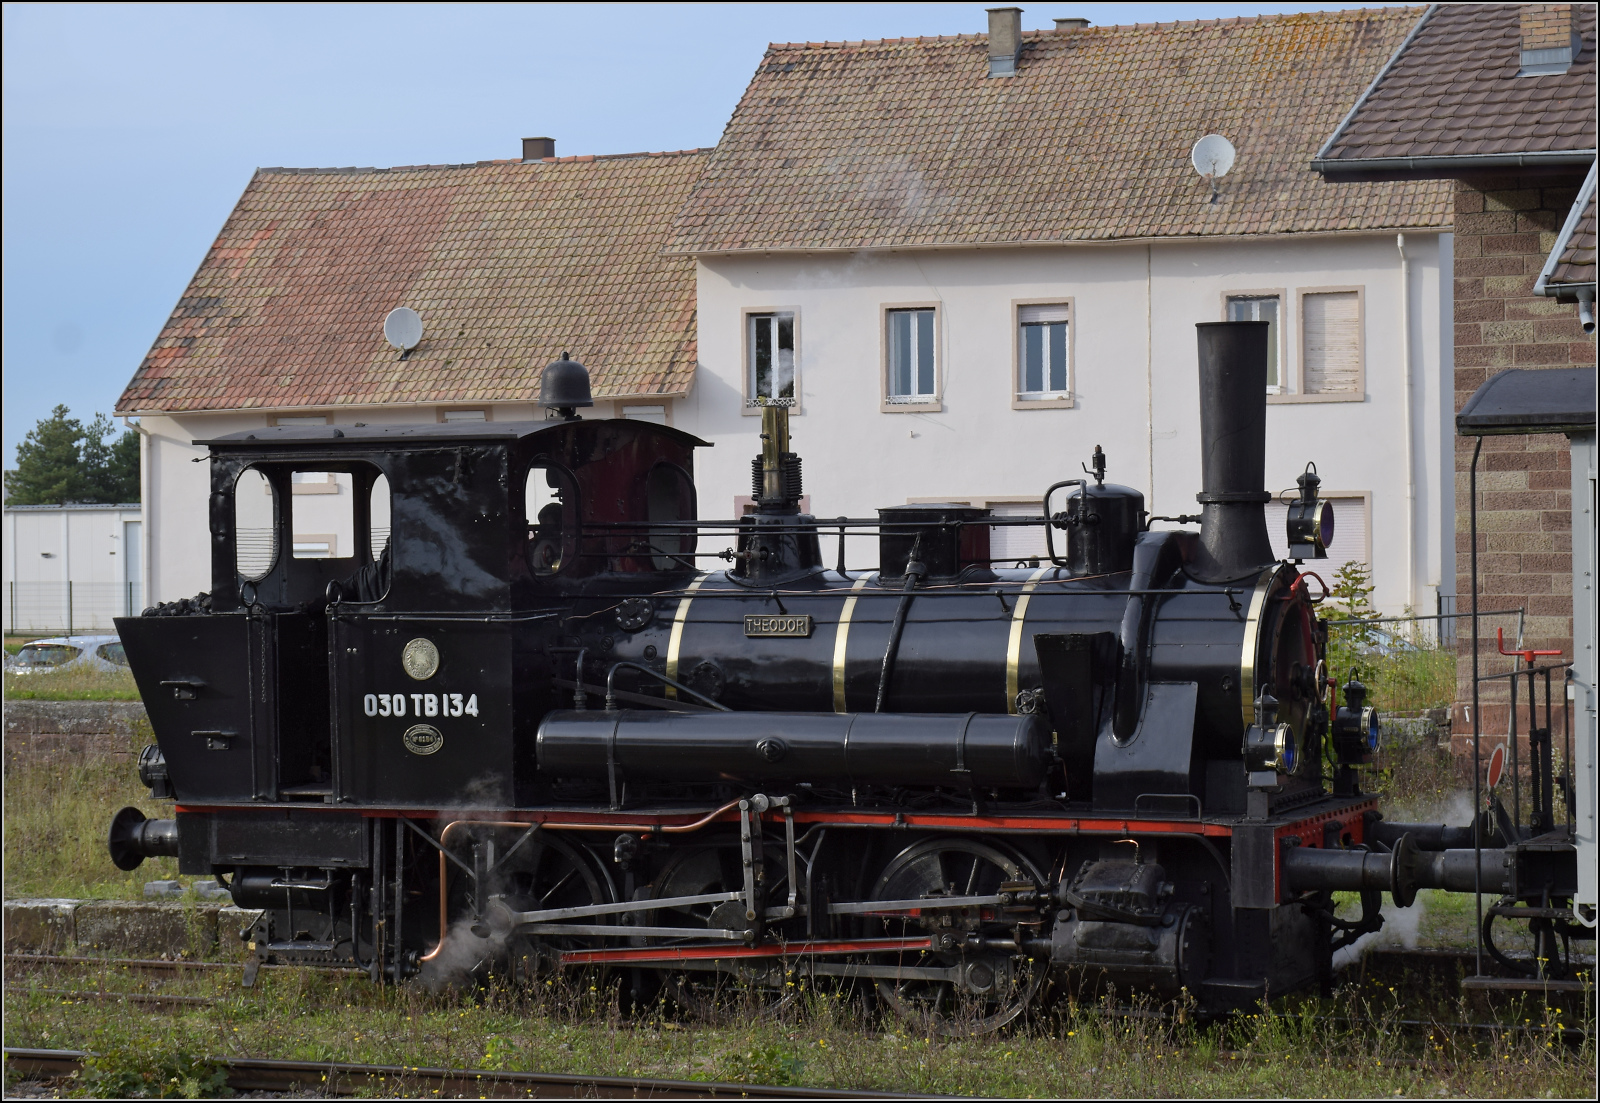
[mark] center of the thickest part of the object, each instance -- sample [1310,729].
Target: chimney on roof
[1549,42]
[1072,23]
[537,149]
[1005,41]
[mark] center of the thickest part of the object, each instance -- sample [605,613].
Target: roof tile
[1456,92]
[907,142]
[508,263]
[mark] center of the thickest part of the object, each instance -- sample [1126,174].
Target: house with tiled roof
[1498,102]
[508,263]
[971,259]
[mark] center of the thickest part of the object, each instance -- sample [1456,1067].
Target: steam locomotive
[529,728]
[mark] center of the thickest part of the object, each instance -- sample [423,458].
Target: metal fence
[62,608]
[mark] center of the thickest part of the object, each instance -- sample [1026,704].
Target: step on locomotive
[520,726]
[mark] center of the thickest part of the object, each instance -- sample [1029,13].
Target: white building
[71,567]
[972,260]
[972,282]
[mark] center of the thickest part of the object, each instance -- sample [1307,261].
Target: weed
[78,683]
[142,1067]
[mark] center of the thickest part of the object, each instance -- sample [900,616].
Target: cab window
[669,502]
[550,505]
[255,534]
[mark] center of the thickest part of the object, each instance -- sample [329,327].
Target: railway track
[339,1078]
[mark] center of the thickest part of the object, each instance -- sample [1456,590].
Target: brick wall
[1505,227]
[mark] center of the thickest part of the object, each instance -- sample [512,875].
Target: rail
[348,1078]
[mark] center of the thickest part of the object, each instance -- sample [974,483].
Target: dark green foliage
[141,1067]
[62,461]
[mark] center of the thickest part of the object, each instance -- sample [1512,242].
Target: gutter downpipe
[1411,444]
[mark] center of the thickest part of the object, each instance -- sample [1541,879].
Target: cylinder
[1103,524]
[1451,870]
[1233,442]
[1308,868]
[1427,836]
[969,751]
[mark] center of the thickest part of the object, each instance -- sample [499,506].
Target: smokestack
[1549,42]
[1072,23]
[1233,451]
[1005,41]
[537,149]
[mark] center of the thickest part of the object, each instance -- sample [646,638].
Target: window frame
[1288,367]
[441,411]
[747,403]
[623,405]
[1300,394]
[932,404]
[1071,401]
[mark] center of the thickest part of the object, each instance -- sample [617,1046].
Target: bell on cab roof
[564,386]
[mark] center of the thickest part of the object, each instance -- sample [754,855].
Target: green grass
[57,810]
[74,684]
[574,1025]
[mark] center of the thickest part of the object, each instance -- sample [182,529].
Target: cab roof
[423,434]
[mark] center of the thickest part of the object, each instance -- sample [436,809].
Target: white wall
[1135,379]
[48,548]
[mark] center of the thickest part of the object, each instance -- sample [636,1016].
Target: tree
[112,470]
[61,461]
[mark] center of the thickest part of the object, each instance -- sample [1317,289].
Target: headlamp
[1310,520]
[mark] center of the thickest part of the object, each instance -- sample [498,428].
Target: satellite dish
[403,328]
[1212,156]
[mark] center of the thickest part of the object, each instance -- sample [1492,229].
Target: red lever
[1527,653]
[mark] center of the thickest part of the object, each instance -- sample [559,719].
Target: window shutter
[1054,312]
[1332,326]
[1010,543]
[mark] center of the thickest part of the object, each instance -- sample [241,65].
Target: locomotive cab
[332,666]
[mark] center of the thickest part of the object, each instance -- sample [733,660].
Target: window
[550,507]
[463,415]
[378,517]
[113,653]
[770,341]
[1262,308]
[299,419]
[255,537]
[1330,324]
[656,414]
[1043,353]
[322,527]
[669,501]
[913,378]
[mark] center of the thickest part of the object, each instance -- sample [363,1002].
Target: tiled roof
[1455,92]
[908,142]
[1572,259]
[508,264]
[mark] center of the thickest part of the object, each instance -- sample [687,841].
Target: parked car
[102,653]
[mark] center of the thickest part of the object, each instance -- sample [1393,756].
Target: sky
[130,130]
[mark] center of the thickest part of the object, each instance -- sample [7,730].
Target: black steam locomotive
[529,727]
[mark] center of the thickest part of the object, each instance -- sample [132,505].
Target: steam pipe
[1233,436]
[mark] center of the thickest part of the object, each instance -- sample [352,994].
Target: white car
[102,653]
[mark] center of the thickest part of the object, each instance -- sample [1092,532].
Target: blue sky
[130,130]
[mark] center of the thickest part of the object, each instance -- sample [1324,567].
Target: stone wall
[76,729]
[1505,227]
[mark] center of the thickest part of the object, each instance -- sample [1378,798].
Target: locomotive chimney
[1233,444]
